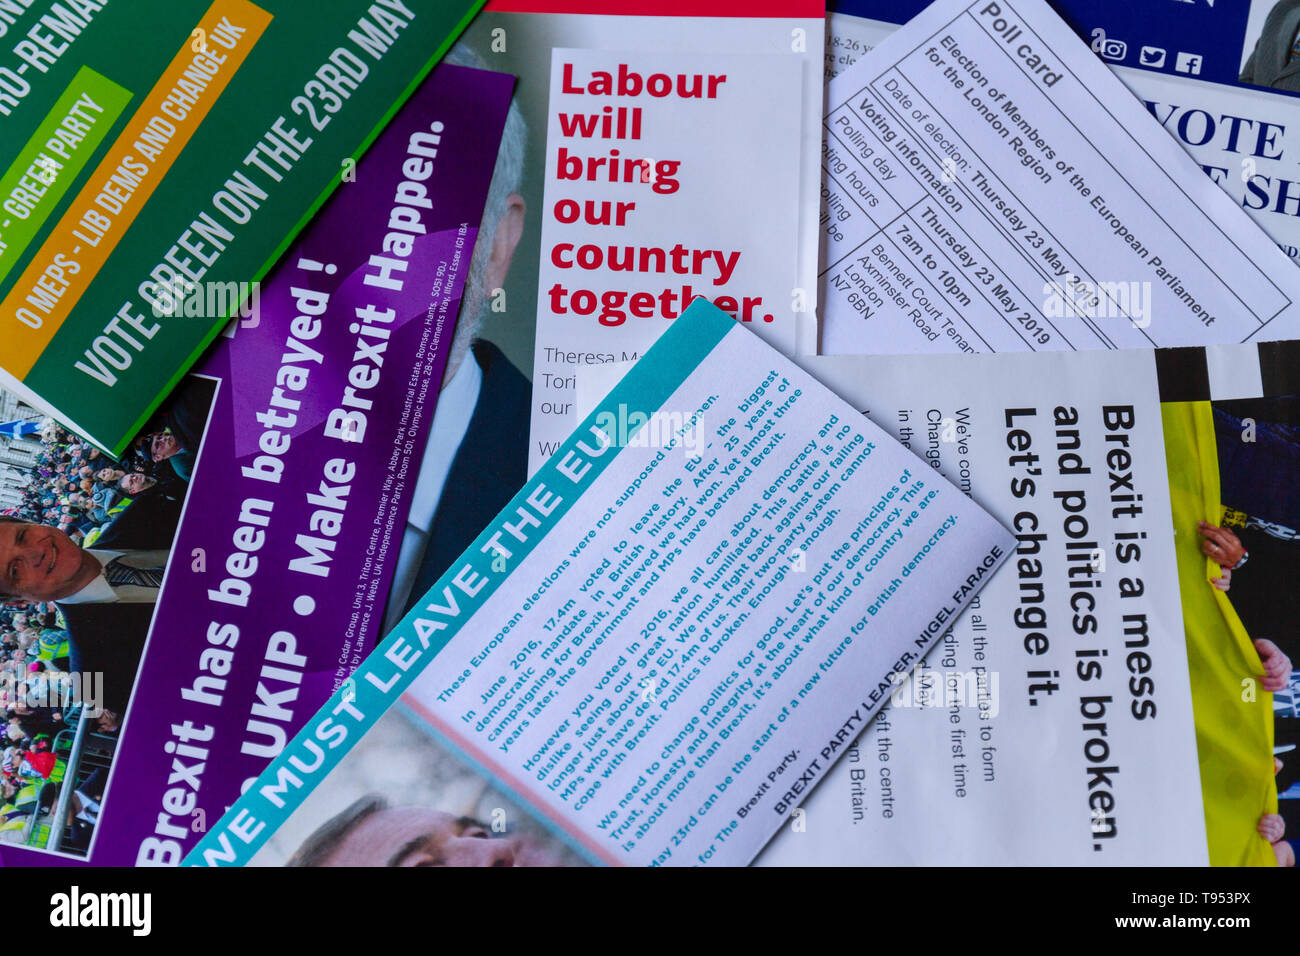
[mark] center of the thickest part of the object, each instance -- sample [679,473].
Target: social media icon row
[1152,57]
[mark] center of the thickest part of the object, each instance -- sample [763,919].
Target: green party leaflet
[157,156]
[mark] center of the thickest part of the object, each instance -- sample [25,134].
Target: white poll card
[991,186]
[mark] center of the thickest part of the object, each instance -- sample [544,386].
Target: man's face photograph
[39,563]
[162,446]
[135,483]
[420,836]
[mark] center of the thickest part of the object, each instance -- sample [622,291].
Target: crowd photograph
[84,545]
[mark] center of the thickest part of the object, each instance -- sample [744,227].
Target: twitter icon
[1153,57]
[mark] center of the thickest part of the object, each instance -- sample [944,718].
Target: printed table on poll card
[991,187]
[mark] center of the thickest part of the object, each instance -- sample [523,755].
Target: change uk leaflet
[1112,659]
[158,157]
[676,627]
[993,187]
[271,495]
[1103,701]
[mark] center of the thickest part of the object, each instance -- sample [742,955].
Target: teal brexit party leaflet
[157,157]
[671,633]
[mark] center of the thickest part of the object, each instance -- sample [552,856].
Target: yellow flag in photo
[1234,716]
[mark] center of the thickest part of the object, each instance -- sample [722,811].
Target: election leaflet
[261,516]
[156,159]
[666,150]
[1118,693]
[671,633]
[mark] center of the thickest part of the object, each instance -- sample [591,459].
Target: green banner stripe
[53,158]
[125,440]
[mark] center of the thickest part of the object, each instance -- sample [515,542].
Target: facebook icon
[1188,63]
